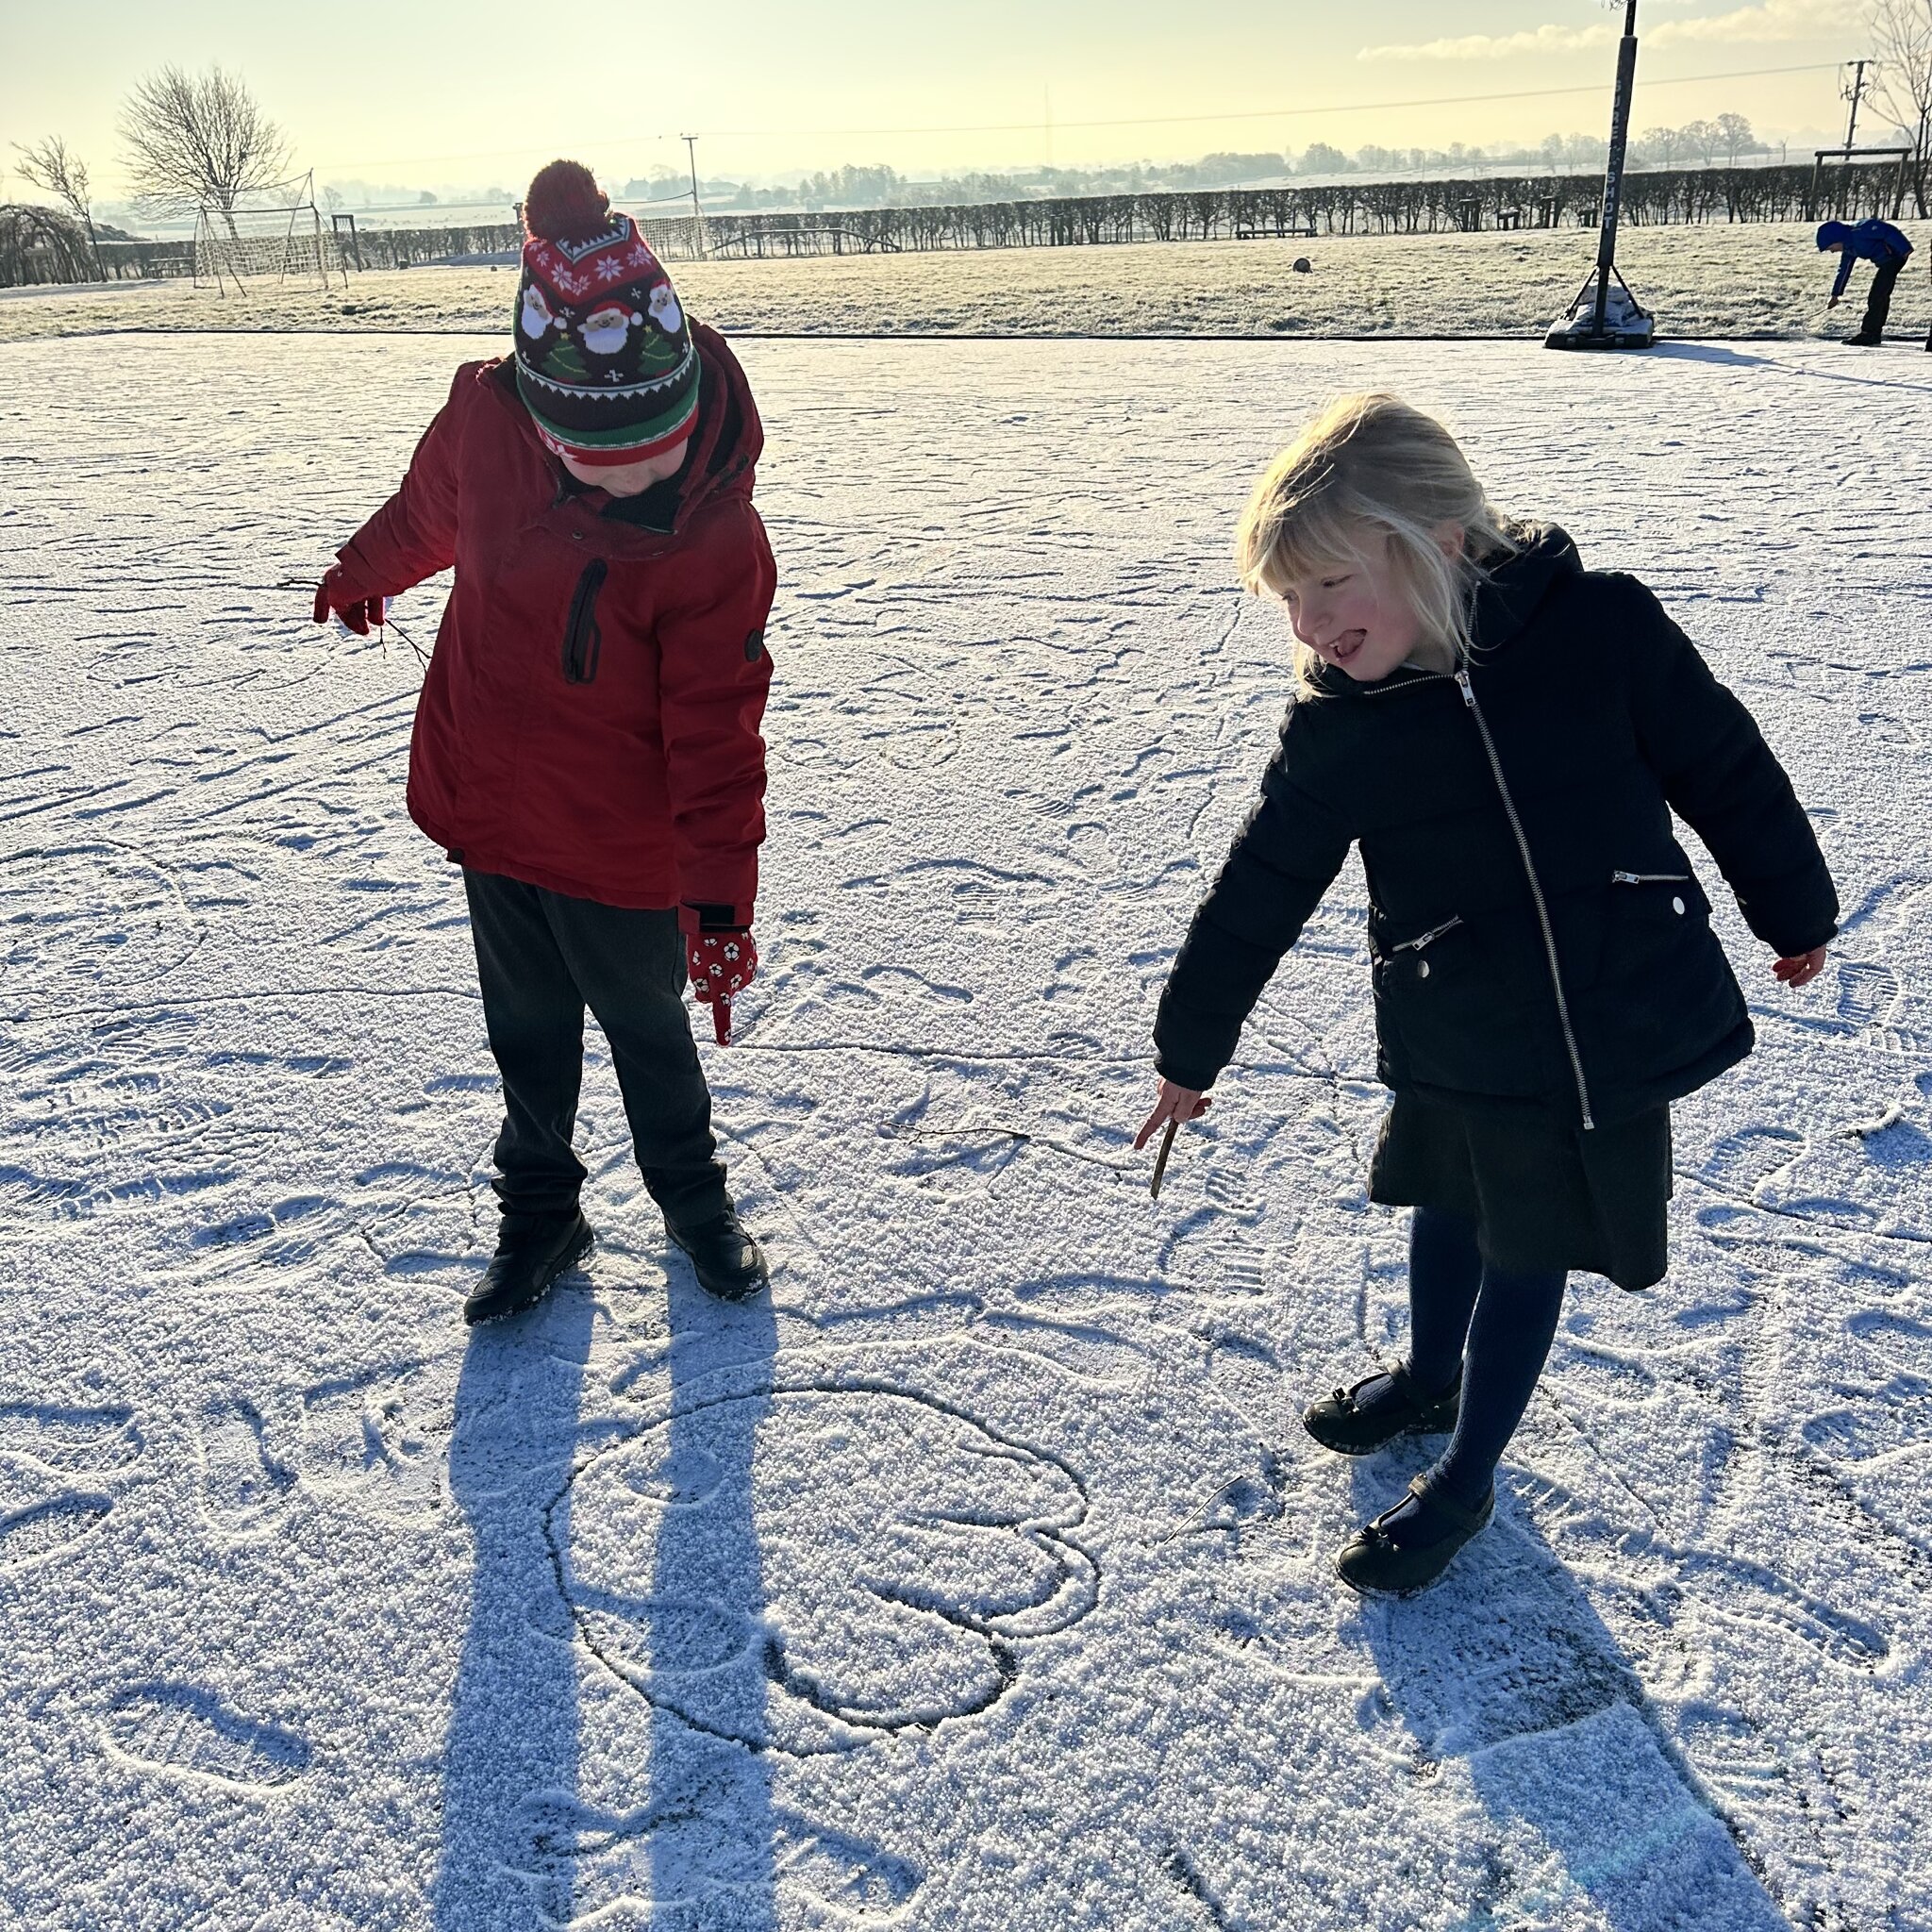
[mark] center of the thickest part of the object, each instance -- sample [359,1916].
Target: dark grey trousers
[542,959]
[1878,303]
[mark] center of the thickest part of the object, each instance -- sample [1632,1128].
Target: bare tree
[1661,145]
[198,140]
[1701,139]
[1902,39]
[1734,137]
[55,169]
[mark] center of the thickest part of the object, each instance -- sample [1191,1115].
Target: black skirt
[1542,1196]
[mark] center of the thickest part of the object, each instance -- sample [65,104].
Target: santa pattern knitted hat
[606,364]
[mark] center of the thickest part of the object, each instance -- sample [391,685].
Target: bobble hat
[605,361]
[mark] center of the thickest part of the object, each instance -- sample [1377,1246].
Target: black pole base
[1579,334]
[1604,317]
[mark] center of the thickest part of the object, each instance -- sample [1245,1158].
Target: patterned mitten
[722,965]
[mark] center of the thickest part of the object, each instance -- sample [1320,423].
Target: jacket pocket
[1666,995]
[1654,918]
[583,643]
[1443,1012]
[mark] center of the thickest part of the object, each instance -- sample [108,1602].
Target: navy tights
[1496,1324]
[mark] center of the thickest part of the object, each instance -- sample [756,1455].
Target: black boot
[729,1263]
[530,1254]
[1404,1549]
[1337,1423]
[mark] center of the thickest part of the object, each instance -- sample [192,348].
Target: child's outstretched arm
[1725,783]
[1285,857]
[413,535]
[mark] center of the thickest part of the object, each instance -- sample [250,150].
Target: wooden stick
[1160,1159]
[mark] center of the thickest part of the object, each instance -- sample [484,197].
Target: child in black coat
[1506,736]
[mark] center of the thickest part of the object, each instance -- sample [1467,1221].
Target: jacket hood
[1508,595]
[724,446]
[1506,599]
[1829,232]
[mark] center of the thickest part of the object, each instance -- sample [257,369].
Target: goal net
[272,231]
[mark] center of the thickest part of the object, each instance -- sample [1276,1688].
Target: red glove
[332,597]
[722,965]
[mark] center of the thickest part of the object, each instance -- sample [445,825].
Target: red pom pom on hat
[564,203]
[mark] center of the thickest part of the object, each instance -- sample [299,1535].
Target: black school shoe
[1864,342]
[729,1263]
[1397,1559]
[1338,1424]
[530,1254]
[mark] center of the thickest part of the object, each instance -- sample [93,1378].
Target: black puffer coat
[1540,942]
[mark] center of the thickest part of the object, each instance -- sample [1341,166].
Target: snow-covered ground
[1730,282]
[980,1579]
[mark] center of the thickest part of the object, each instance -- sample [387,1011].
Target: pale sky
[430,92]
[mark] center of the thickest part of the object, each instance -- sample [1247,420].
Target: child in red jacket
[586,743]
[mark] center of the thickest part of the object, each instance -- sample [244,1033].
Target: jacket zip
[1649,878]
[582,640]
[1536,892]
[1428,937]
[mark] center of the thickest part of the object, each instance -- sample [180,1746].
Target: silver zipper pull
[1468,695]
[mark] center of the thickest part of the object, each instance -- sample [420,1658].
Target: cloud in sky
[1768,20]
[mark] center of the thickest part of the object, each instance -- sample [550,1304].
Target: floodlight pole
[1613,171]
[1634,327]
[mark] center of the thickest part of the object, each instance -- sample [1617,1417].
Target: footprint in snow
[1897,1416]
[70,1437]
[242,1483]
[41,1527]
[188,1732]
[367,1435]
[1867,993]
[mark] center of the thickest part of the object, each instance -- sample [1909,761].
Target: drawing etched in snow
[923,1553]
[704,1844]
[76,916]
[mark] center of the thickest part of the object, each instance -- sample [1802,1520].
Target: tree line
[201,142]
[1651,196]
[1773,193]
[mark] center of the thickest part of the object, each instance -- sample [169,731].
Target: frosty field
[979,1580]
[1761,281]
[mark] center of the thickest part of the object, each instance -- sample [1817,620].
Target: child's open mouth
[1346,645]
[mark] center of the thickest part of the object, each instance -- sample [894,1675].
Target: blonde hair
[1368,484]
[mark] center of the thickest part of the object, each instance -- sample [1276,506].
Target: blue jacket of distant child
[1875,242]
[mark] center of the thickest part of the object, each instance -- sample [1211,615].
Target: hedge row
[1351,207]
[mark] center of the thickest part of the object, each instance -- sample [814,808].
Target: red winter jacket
[589,720]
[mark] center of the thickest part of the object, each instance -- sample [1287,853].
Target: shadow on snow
[1505,1665]
[522,1850]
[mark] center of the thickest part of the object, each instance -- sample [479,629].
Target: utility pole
[1634,327]
[697,213]
[1856,87]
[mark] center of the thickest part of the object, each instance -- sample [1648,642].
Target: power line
[1531,94]
[430,208]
